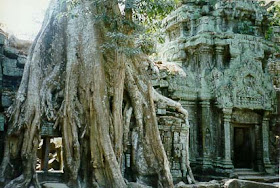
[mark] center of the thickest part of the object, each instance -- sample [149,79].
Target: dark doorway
[242,147]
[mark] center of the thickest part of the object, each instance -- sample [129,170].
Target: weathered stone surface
[7,100]
[2,122]
[235,183]
[199,185]
[21,60]
[10,68]
[222,51]
[11,52]
[19,44]
[54,185]
[137,185]
[2,39]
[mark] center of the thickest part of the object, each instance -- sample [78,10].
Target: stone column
[45,154]
[206,133]
[192,109]
[192,31]
[182,30]
[258,147]
[218,24]
[219,57]
[227,136]
[2,42]
[265,144]
[219,136]
[206,60]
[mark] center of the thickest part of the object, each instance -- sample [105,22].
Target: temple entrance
[50,157]
[243,147]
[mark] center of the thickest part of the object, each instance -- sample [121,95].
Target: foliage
[275,11]
[246,28]
[149,14]
[145,25]
[274,22]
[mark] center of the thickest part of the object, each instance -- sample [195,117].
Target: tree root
[68,81]
[185,142]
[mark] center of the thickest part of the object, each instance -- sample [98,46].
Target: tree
[88,88]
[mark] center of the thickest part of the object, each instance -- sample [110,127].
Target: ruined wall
[222,49]
[12,62]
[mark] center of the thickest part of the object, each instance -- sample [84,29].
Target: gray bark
[69,81]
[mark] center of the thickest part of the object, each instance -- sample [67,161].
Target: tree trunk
[69,81]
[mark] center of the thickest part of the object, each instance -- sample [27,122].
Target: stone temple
[215,61]
[220,59]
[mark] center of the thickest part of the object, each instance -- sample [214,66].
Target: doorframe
[251,128]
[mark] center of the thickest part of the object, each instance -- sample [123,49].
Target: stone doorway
[50,156]
[243,147]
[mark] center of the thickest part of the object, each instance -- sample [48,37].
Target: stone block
[2,122]
[155,83]
[161,105]
[54,185]
[236,183]
[137,185]
[198,185]
[176,173]
[1,50]
[6,100]
[161,111]
[10,68]
[180,95]
[176,166]
[206,24]
[163,83]
[163,74]
[21,60]
[11,52]
[48,130]
[2,39]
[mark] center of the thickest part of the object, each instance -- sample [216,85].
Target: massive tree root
[90,96]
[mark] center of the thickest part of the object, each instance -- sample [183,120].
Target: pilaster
[219,57]
[258,147]
[227,112]
[206,60]
[206,133]
[192,31]
[191,107]
[265,144]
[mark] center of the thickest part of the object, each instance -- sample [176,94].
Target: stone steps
[247,172]
[54,185]
[265,178]
[250,174]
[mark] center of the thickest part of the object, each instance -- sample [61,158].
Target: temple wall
[12,62]
[221,51]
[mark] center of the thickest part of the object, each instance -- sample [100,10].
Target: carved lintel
[48,130]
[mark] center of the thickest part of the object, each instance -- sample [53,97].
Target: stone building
[221,51]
